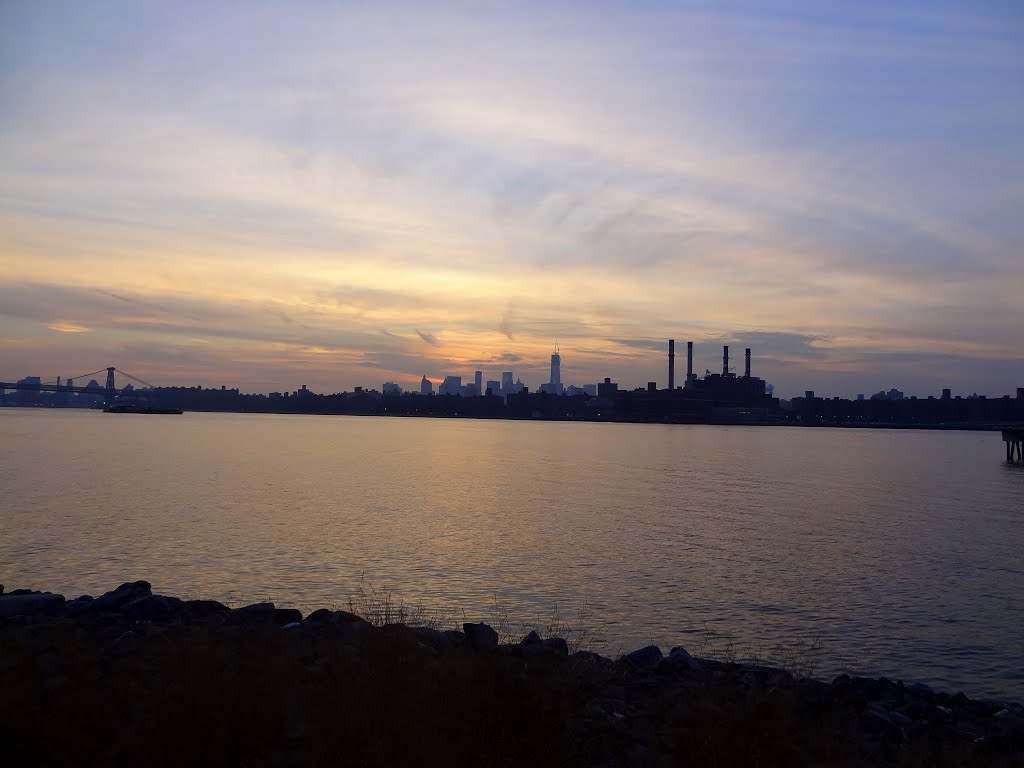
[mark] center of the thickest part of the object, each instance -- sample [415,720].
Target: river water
[881,552]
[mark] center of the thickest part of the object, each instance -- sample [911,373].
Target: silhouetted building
[607,388]
[478,381]
[390,388]
[725,390]
[892,394]
[452,385]
[555,384]
[426,387]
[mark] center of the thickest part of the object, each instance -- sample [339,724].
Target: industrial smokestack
[689,360]
[747,370]
[671,364]
[725,360]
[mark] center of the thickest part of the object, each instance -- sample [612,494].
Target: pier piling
[1014,439]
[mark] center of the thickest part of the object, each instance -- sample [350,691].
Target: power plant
[717,396]
[725,386]
[671,363]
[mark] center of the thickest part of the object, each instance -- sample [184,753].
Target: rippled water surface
[902,552]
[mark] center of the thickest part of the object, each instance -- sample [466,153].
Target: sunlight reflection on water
[903,550]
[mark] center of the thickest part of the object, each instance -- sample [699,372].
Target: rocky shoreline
[131,677]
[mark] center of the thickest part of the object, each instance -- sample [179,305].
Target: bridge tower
[110,384]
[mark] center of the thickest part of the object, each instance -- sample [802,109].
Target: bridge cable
[136,378]
[82,376]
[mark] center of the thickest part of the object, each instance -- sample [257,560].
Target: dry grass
[381,607]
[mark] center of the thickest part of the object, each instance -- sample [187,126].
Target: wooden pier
[1014,439]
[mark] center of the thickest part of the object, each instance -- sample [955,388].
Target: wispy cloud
[430,338]
[65,327]
[812,181]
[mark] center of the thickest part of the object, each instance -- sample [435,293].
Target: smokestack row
[671,364]
[689,362]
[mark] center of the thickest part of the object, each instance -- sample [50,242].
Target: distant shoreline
[941,427]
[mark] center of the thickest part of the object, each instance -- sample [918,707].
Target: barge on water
[141,409]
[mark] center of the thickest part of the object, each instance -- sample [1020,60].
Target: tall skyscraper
[506,383]
[426,388]
[556,372]
[478,380]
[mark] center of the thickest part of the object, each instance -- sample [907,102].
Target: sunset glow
[267,195]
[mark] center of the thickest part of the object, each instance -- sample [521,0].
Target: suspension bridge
[109,392]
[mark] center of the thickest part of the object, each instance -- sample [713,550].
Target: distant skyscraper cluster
[507,385]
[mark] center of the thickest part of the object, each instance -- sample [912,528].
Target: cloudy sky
[266,194]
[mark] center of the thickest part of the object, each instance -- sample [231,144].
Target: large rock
[38,604]
[556,646]
[151,607]
[481,637]
[79,605]
[532,639]
[679,659]
[319,616]
[203,609]
[257,613]
[436,638]
[285,616]
[118,598]
[643,658]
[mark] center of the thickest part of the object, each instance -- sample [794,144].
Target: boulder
[531,639]
[920,689]
[590,658]
[257,613]
[287,616]
[643,658]
[151,607]
[434,638]
[79,605]
[456,638]
[556,646]
[679,660]
[346,617]
[205,608]
[37,604]
[118,598]
[481,637]
[319,616]
[126,643]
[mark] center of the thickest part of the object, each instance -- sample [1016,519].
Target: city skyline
[342,195]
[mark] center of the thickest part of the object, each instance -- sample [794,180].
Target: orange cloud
[65,327]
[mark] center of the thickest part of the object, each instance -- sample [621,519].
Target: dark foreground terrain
[132,678]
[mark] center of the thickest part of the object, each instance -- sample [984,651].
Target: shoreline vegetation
[135,678]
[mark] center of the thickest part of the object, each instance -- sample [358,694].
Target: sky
[269,194]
